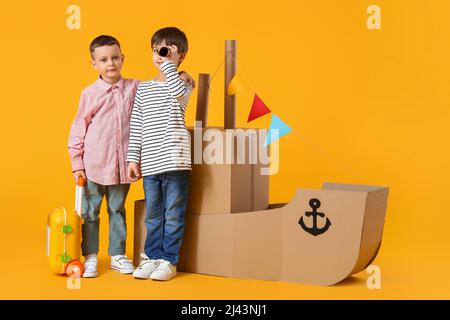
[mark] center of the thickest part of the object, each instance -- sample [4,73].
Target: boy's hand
[77,174]
[173,56]
[188,79]
[134,171]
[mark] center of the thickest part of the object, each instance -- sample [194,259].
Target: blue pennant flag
[277,129]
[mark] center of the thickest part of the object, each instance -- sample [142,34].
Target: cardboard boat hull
[272,245]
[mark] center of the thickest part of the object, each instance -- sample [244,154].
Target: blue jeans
[115,200]
[166,196]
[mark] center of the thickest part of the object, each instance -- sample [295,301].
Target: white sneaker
[90,266]
[165,271]
[146,267]
[121,264]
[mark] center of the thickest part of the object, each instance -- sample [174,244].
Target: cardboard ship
[322,236]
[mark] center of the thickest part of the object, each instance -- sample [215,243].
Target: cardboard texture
[228,188]
[201,113]
[140,230]
[229,116]
[271,244]
[357,216]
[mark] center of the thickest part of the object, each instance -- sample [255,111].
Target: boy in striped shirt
[159,150]
[98,143]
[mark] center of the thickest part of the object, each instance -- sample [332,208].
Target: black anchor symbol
[314,204]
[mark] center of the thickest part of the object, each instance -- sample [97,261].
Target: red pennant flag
[258,109]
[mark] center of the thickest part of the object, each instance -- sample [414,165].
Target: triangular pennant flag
[258,109]
[277,129]
[236,85]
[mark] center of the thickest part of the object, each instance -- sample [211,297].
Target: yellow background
[368,107]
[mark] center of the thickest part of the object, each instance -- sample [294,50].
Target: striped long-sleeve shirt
[159,139]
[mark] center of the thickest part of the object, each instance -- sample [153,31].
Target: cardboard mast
[230,71]
[202,99]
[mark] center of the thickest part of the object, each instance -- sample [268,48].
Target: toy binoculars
[164,51]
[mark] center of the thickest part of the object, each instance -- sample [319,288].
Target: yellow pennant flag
[237,85]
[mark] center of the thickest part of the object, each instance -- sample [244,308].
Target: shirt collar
[107,87]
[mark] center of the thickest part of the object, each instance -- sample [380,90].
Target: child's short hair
[173,36]
[103,40]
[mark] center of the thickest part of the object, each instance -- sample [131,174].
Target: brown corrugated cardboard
[357,217]
[140,230]
[272,245]
[227,188]
[210,236]
[256,243]
[326,258]
[244,245]
[201,113]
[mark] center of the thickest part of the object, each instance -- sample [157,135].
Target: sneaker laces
[123,260]
[164,265]
[144,260]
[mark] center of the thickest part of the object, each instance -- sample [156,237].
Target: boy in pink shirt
[98,145]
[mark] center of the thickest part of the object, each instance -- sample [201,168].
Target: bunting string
[258,108]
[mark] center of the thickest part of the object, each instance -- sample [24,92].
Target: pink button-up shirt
[98,140]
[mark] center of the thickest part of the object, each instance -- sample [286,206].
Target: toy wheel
[74,268]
